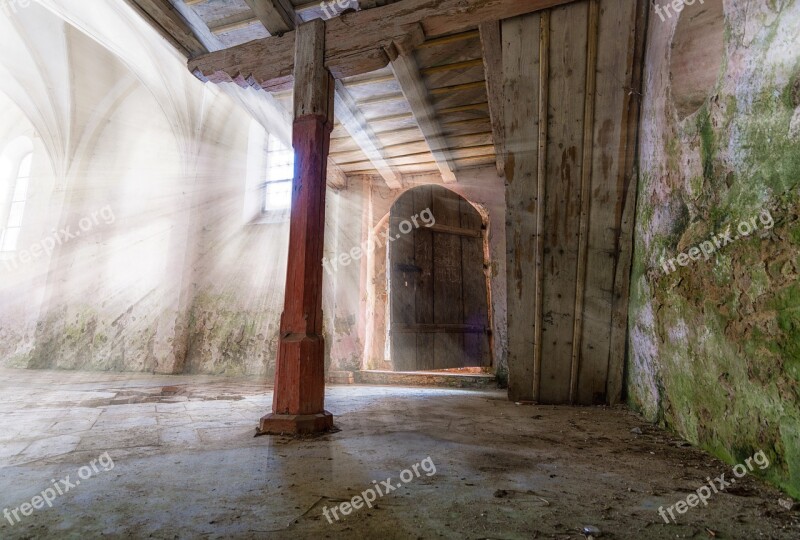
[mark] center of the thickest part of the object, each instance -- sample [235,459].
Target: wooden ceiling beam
[198,27]
[277,16]
[493,65]
[381,98]
[370,80]
[356,42]
[359,129]
[336,177]
[407,73]
[232,23]
[448,40]
[443,90]
[391,118]
[169,23]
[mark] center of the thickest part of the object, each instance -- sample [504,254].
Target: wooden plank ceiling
[426,113]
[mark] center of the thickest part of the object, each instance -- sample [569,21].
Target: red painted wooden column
[298,405]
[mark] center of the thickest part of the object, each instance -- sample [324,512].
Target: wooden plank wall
[568,74]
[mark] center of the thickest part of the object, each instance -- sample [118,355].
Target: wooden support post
[298,405]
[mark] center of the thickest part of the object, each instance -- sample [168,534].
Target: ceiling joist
[407,73]
[493,64]
[277,16]
[356,42]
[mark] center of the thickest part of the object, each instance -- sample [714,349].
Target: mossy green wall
[714,347]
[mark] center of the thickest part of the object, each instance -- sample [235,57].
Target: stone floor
[186,465]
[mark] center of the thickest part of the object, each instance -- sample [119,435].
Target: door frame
[381,305]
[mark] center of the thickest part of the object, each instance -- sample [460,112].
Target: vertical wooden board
[585,194]
[562,203]
[423,252]
[520,37]
[403,293]
[448,305]
[622,282]
[476,345]
[448,350]
[615,41]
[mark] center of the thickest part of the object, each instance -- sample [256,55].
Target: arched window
[15,175]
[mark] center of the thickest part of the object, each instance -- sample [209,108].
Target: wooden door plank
[423,252]
[541,191]
[617,19]
[447,279]
[476,345]
[627,202]
[403,286]
[565,146]
[521,94]
[585,194]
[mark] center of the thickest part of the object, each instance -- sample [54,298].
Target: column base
[295,424]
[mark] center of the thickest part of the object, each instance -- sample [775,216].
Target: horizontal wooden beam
[277,16]
[170,24]
[448,40]
[369,80]
[233,23]
[438,329]
[456,231]
[463,108]
[268,63]
[198,26]
[457,88]
[385,98]
[466,64]
[391,118]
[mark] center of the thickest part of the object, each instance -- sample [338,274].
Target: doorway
[438,288]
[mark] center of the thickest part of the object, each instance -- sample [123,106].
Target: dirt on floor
[187,465]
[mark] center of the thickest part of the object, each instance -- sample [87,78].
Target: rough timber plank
[493,64]
[311,76]
[565,146]
[614,60]
[407,73]
[541,191]
[627,204]
[359,129]
[403,286]
[423,253]
[356,42]
[170,24]
[585,195]
[521,92]
[448,305]
[474,285]
[277,16]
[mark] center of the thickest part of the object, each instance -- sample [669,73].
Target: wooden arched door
[438,289]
